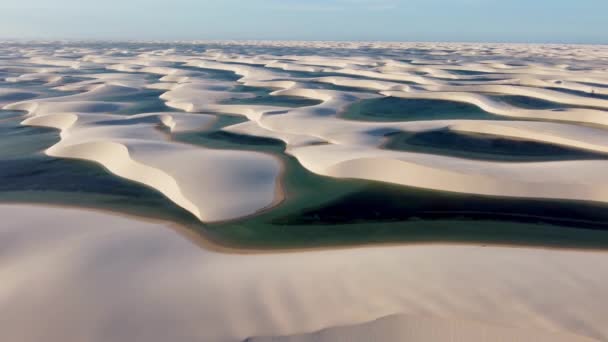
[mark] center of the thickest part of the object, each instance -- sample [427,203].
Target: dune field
[303,191]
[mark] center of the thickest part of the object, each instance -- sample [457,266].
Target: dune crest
[132,147]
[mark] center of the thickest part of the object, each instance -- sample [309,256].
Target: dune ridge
[131,147]
[405,328]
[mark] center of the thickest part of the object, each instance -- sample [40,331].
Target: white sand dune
[199,96]
[583,115]
[42,76]
[412,328]
[323,142]
[202,181]
[139,152]
[580,180]
[94,80]
[588,138]
[72,275]
[368,84]
[8,96]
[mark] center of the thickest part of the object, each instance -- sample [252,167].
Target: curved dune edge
[577,180]
[118,274]
[581,115]
[11,95]
[356,154]
[584,138]
[140,153]
[116,158]
[423,329]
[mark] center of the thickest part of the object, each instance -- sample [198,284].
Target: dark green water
[484,147]
[262,97]
[526,102]
[323,211]
[400,109]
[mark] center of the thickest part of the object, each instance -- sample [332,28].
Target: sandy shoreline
[208,243]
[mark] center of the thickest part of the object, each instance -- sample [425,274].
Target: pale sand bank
[427,329]
[132,147]
[74,275]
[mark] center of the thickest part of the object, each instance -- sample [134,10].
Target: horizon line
[207,41]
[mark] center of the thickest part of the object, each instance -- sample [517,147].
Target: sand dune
[408,328]
[583,115]
[95,277]
[588,138]
[11,95]
[132,147]
[318,136]
[579,180]
[437,172]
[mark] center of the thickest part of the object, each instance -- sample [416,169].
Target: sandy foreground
[77,275]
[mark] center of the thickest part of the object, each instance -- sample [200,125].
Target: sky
[526,21]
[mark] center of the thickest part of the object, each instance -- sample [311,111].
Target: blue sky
[575,21]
